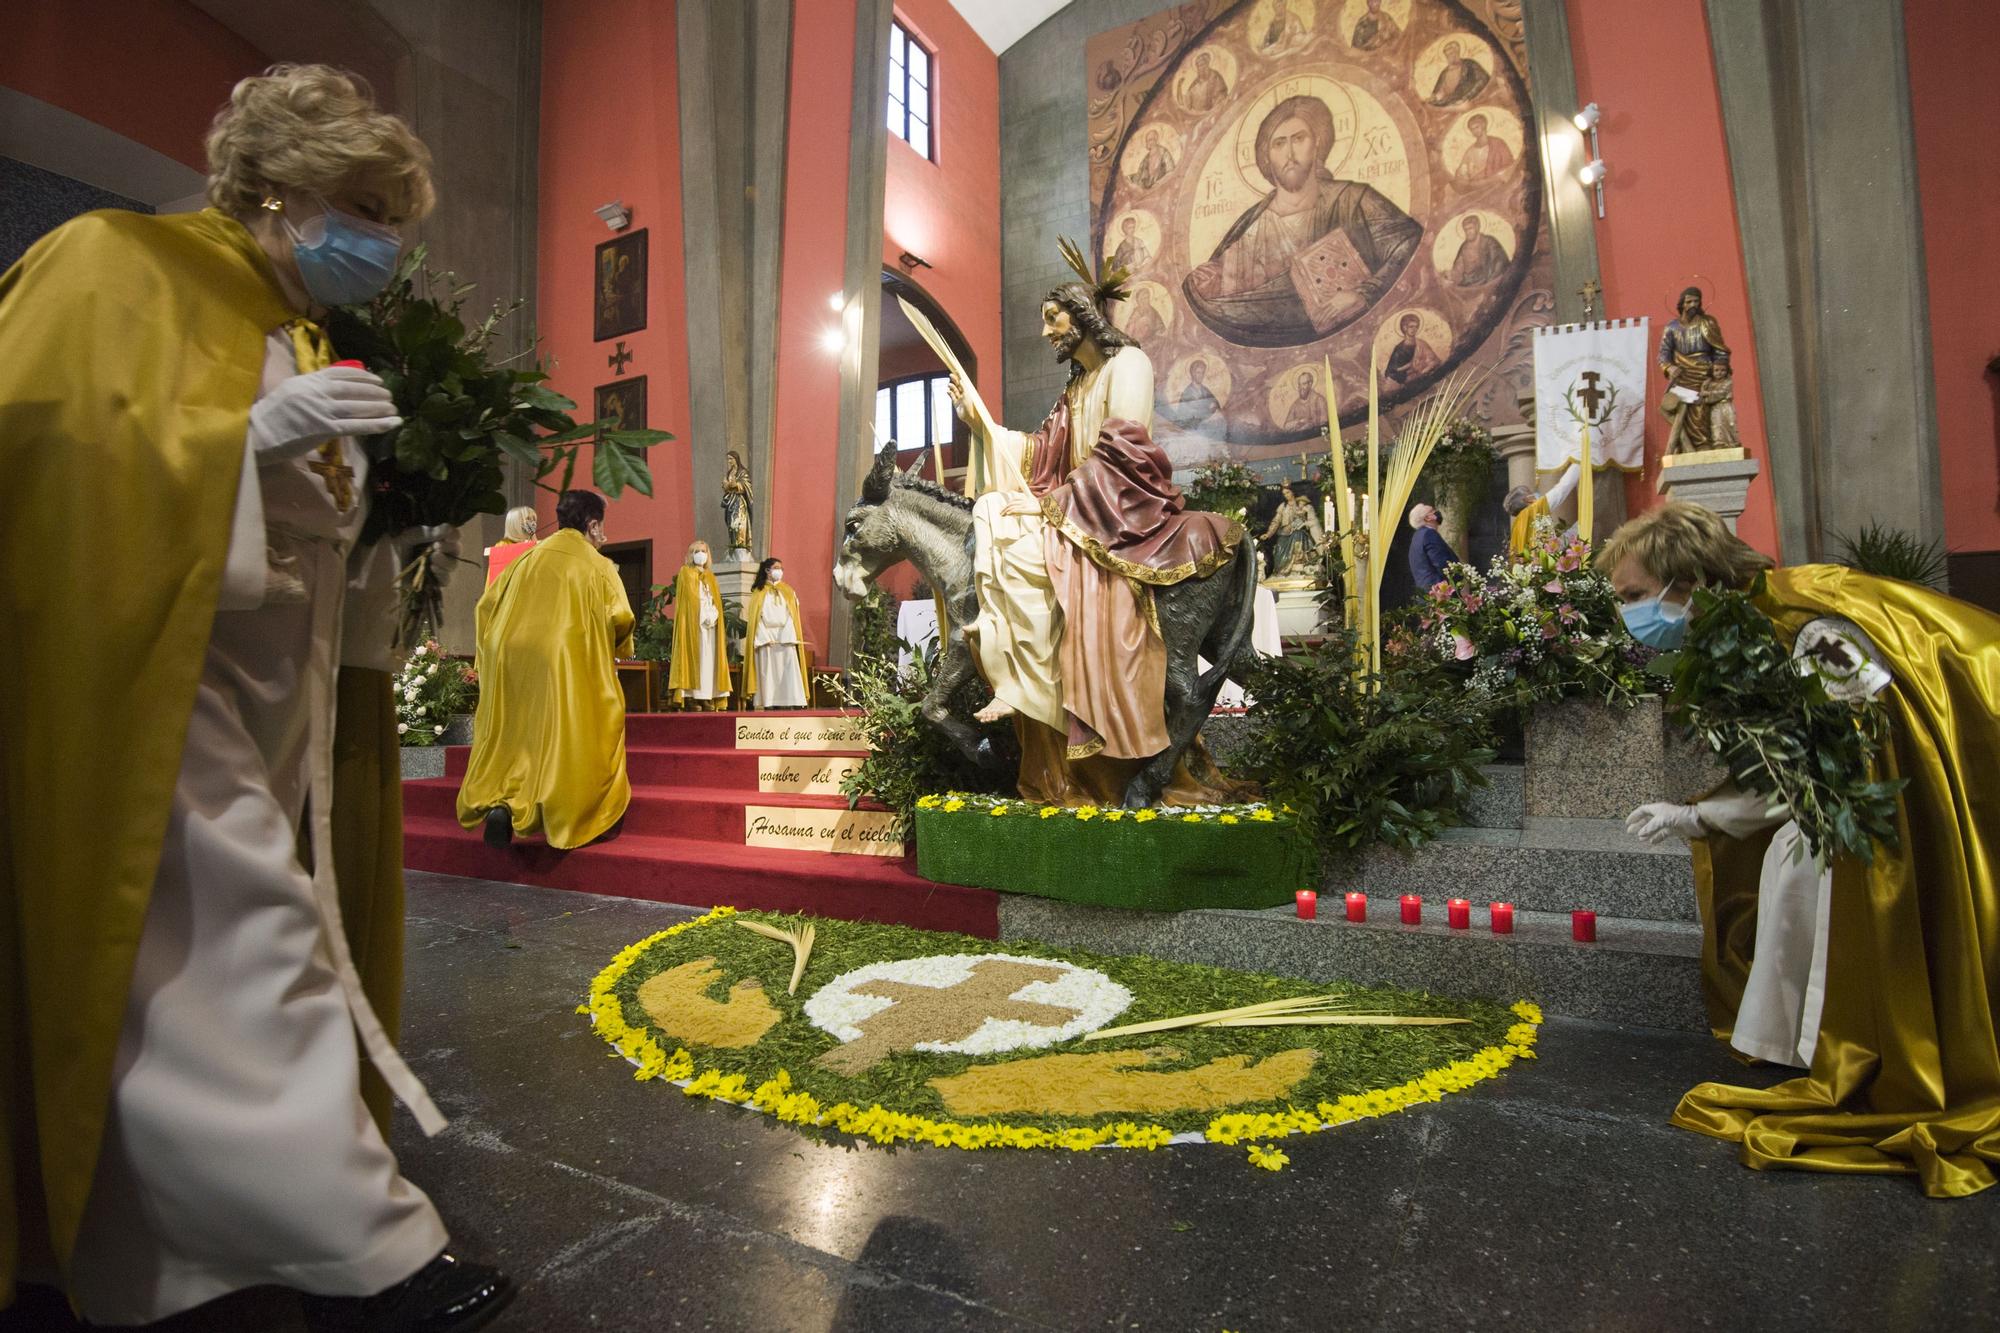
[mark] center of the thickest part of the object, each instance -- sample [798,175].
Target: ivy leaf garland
[463,412]
[1737,687]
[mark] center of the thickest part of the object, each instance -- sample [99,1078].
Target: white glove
[1658,822]
[308,410]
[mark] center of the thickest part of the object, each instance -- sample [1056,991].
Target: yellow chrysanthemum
[997,811]
[1113,816]
[1229,819]
[1144,816]
[1262,816]
[1271,1159]
[1049,811]
[1190,819]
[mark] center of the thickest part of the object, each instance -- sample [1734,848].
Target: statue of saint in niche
[1313,254]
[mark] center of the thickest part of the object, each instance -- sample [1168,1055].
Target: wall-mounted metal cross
[1590,291]
[618,358]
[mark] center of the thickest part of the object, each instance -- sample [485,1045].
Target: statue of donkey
[899,517]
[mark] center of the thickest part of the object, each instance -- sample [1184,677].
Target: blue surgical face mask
[1657,623]
[343,259]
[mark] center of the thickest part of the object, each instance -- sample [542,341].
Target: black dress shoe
[499,828]
[446,1295]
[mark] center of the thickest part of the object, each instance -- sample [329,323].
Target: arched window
[915,411]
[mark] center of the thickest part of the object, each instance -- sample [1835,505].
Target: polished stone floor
[1556,1197]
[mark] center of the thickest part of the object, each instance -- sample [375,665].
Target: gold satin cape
[1521,535]
[684,673]
[791,600]
[1906,1075]
[548,737]
[131,349]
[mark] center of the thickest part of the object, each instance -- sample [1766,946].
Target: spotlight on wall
[614,215]
[1593,172]
[911,263]
[833,340]
[837,302]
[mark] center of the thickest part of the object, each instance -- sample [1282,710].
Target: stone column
[1721,483]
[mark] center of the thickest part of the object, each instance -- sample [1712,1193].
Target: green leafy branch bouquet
[1354,758]
[464,413]
[1223,488]
[1541,627]
[1771,720]
[908,758]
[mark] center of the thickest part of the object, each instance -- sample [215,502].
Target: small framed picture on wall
[620,296]
[621,404]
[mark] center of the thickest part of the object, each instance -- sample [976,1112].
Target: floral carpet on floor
[899,1035]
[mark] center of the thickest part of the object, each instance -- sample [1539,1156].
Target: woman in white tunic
[774,673]
[237,1150]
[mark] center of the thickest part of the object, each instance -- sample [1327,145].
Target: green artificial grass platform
[1166,860]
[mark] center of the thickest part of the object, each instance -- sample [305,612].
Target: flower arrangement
[431,689]
[1541,627]
[779,1078]
[1008,807]
[1223,488]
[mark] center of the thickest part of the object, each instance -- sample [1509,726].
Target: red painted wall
[605,138]
[947,211]
[799,495]
[1957,120]
[152,70]
[1670,208]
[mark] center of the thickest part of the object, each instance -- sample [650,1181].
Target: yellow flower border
[776,1097]
[955,802]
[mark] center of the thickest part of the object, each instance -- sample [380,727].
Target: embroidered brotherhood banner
[1591,374]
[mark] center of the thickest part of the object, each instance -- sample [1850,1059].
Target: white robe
[1020,623]
[238,1151]
[711,615]
[1785,992]
[779,684]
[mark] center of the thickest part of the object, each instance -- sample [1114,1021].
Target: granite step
[1546,865]
[1500,803]
[1645,973]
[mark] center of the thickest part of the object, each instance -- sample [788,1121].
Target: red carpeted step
[717,730]
[704,814]
[679,765]
[708,874]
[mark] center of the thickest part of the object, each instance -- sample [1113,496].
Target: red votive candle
[1357,907]
[1583,927]
[1308,905]
[1458,913]
[351,365]
[1413,910]
[1503,918]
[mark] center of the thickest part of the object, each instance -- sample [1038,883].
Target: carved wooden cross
[333,470]
[1590,291]
[618,358]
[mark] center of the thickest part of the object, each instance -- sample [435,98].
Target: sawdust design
[678,1002]
[943,1014]
[1098,1084]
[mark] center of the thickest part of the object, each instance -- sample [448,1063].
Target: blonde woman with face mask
[187,996]
[699,674]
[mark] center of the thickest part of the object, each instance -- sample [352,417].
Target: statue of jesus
[1077,523]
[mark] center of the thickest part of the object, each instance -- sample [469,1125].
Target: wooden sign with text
[804,775]
[783,734]
[847,832]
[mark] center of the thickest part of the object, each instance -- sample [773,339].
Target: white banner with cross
[1591,375]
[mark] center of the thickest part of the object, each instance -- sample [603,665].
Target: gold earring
[273,204]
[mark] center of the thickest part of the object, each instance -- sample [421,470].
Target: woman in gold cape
[782,687]
[700,667]
[133,351]
[1905,1077]
[548,738]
